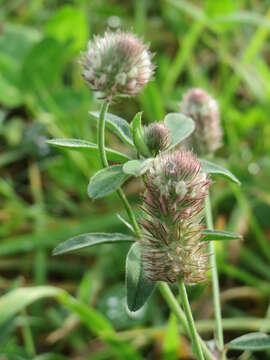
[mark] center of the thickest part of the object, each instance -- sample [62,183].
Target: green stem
[129,211]
[214,273]
[193,332]
[104,163]
[180,315]
[101,134]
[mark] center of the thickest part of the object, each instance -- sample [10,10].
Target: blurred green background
[221,46]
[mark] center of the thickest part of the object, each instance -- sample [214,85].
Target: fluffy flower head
[204,110]
[117,64]
[175,189]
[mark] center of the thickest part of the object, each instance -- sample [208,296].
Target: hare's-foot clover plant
[173,239]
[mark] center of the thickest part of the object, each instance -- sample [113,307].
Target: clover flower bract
[157,137]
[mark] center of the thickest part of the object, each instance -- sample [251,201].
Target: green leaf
[118,125]
[138,287]
[86,146]
[211,168]
[42,66]
[253,341]
[137,135]
[93,319]
[61,26]
[91,239]
[99,325]
[137,167]
[106,181]
[180,127]
[18,299]
[219,235]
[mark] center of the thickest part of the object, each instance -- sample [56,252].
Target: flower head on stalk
[204,110]
[117,64]
[175,189]
[157,137]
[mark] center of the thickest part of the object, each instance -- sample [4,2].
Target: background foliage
[222,46]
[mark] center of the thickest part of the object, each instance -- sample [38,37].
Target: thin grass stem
[214,277]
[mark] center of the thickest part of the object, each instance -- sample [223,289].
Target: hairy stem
[192,330]
[214,276]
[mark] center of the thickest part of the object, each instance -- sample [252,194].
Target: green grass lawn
[74,305]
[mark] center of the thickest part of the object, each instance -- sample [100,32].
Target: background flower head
[204,110]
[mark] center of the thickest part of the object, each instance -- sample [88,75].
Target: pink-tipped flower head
[117,64]
[157,138]
[204,110]
[175,189]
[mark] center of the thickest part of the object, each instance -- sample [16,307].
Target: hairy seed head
[175,189]
[157,137]
[117,64]
[204,110]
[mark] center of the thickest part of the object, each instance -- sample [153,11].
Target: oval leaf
[118,125]
[106,181]
[137,167]
[138,287]
[91,239]
[211,168]
[137,135]
[253,341]
[220,235]
[86,146]
[180,127]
